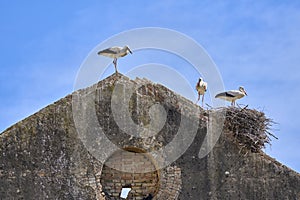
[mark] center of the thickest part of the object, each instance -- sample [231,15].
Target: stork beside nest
[232,95]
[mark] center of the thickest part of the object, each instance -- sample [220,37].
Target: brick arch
[132,160]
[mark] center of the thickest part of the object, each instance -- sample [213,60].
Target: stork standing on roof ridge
[201,88]
[115,53]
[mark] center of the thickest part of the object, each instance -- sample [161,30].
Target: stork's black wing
[224,94]
[106,51]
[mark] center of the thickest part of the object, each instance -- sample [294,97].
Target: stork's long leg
[115,63]
[198,98]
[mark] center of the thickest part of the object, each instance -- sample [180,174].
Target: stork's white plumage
[232,95]
[115,53]
[201,88]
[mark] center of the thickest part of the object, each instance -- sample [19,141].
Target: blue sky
[254,43]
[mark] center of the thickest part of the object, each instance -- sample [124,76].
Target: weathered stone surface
[46,157]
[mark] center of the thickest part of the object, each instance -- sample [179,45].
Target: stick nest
[249,127]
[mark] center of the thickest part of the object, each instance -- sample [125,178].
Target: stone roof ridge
[144,81]
[189,106]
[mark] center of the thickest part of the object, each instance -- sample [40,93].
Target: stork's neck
[124,49]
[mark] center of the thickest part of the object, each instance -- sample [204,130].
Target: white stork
[201,88]
[232,95]
[115,53]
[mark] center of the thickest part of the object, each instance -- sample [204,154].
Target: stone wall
[45,156]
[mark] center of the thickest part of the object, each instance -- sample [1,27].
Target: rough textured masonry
[50,156]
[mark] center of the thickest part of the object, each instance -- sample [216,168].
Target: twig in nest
[209,106]
[244,108]
[272,135]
